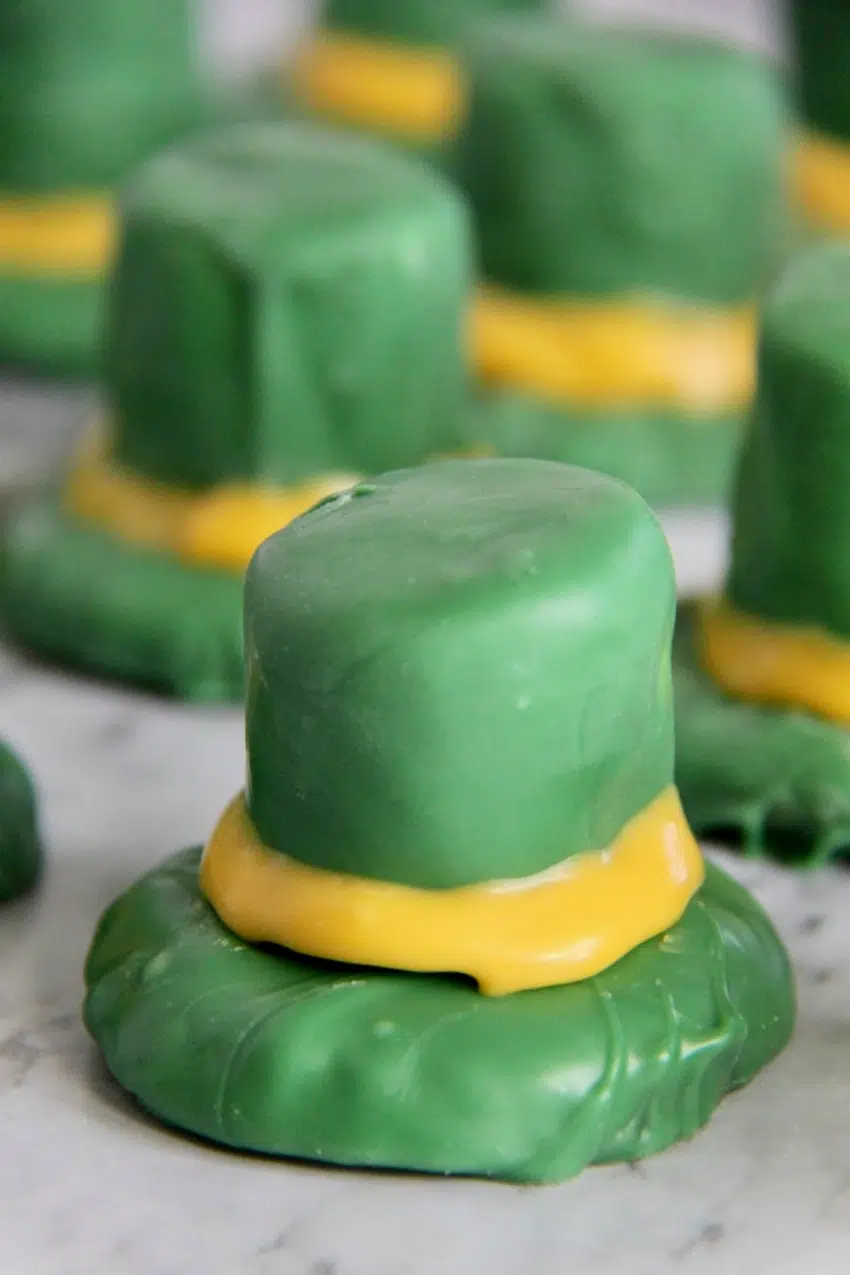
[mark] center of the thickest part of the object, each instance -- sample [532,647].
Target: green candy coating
[428,22]
[601,162]
[459,673]
[20,845]
[287,301]
[75,594]
[50,325]
[779,779]
[791,513]
[775,781]
[90,87]
[260,1049]
[670,460]
[821,35]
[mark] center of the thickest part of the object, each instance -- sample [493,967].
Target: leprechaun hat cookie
[762,672]
[821,38]
[627,193]
[90,88]
[286,314]
[390,65]
[20,844]
[460,867]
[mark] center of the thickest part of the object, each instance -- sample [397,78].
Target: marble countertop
[89,1186]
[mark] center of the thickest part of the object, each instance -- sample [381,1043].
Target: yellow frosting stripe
[57,235]
[783,665]
[413,93]
[821,176]
[560,926]
[613,354]
[219,528]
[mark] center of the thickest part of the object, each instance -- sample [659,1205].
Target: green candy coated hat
[459,673]
[776,774]
[602,161]
[287,300]
[90,88]
[609,166]
[287,307]
[791,513]
[455,673]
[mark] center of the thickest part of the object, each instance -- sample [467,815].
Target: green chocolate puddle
[777,781]
[259,1049]
[668,459]
[75,594]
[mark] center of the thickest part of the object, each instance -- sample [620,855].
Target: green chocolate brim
[50,326]
[78,596]
[259,1049]
[670,460]
[20,843]
[773,781]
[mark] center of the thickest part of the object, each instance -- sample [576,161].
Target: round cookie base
[78,596]
[774,781]
[670,460]
[20,844]
[259,1049]
[50,326]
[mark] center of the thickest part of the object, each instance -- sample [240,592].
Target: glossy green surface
[599,162]
[821,33]
[287,300]
[670,460]
[76,595]
[429,22]
[791,512]
[262,1050]
[20,846]
[90,87]
[775,781]
[459,672]
[51,327]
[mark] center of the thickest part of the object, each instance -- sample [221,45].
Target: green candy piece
[459,673]
[791,513]
[259,1049]
[85,598]
[601,162]
[20,845]
[779,779]
[821,34]
[428,22]
[775,782]
[90,87]
[287,301]
[670,460]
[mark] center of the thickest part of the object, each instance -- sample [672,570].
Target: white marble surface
[89,1186]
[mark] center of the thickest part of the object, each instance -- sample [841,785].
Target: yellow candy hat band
[785,666]
[67,236]
[615,354]
[393,88]
[218,529]
[559,926]
[821,179]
